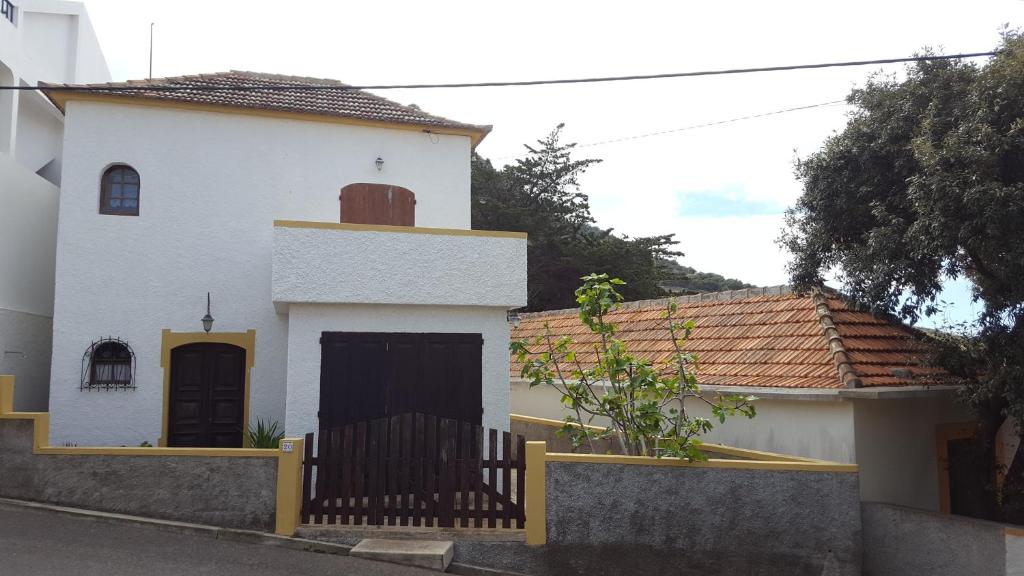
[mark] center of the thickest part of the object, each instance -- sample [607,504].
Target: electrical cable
[143,87]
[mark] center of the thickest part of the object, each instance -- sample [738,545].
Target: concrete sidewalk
[39,542]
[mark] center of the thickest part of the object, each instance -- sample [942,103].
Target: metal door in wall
[207,396]
[369,375]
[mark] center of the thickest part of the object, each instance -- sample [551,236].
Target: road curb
[228,534]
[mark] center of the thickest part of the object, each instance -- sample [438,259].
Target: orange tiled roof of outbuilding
[768,337]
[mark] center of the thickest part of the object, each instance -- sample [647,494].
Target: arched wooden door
[365,203]
[207,396]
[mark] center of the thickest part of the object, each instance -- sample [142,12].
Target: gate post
[289,486]
[536,499]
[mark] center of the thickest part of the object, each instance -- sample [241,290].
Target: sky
[721,189]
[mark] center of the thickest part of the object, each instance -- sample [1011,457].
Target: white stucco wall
[211,186]
[40,132]
[815,429]
[28,236]
[339,265]
[896,448]
[306,322]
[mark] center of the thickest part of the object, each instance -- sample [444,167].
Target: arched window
[119,191]
[109,363]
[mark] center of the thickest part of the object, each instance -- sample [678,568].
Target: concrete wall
[307,321]
[211,186]
[896,448]
[900,541]
[822,429]
[237,492]
[383,267]
[28,236]
[644,519]
[25,343]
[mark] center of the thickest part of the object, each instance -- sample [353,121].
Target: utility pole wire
[708,124]
[694,126]
[115,87]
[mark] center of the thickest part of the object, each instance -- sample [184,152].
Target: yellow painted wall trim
[289,463]
[170,340]
[1008,531]
[712,463]
[398,229]
[546,421]
[716,448]
[536,494]
[41,421]
[61,98]
[289,486]
[6,394]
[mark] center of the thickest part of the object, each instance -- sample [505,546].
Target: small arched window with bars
[108,364]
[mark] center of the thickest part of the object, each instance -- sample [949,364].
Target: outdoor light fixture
[207,320]
[380,163]
[513,318]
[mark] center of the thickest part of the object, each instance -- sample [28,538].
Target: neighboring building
[40,40]
[395,306]
[833,382]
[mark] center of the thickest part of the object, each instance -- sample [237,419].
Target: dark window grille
[7,10]
[119,191]
[108,364]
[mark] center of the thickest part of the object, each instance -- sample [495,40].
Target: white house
[331,229]
[40,40]
[832,381]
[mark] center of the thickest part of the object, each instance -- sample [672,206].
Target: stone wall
[899,540]
[236,492]
[634,518]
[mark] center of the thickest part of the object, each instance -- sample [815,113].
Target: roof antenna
[151,50]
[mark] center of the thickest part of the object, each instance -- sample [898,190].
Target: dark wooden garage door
[207,396]
[368,375]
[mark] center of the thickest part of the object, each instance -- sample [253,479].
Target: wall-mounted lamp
[512,317]
[380,163]
[207,320]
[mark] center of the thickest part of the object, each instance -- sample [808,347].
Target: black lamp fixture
[380,163]
[207,320]
[512,316]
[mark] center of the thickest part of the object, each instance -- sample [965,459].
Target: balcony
[317,262]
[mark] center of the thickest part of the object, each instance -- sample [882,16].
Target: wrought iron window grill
[108,364]
[7,10]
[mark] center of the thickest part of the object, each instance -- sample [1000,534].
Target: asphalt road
[43,543]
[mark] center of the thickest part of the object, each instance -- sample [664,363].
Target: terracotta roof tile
[303,97]
[752,339]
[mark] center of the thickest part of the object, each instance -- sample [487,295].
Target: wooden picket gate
[414,469]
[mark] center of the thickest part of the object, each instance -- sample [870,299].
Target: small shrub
[265,434]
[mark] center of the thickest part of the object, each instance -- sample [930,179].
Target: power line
[696,126]
[707,124]
[343,87]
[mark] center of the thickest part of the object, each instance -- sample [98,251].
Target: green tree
[645,403]
[540,195]
[924,184]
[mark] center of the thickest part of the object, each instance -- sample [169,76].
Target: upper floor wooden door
[207,396]
[365,203]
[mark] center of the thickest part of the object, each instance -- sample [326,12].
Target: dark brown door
[378,204]
[368,375]
[207,396]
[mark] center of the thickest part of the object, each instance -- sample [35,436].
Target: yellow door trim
[943,434]
[170,340]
